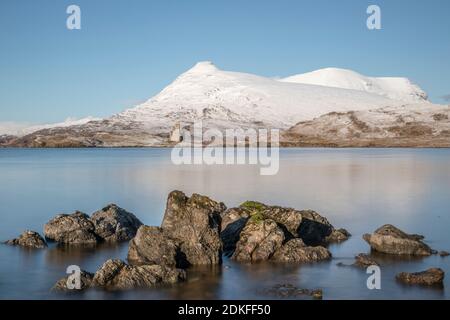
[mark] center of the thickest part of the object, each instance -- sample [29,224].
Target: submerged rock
[194,223]
[28,239]
[432,276]
[363,260]
[117,275]
[75,228]
[291,291]
[444,253]
[258,240]
[113,223]
[295,250]
[85,282]
[391,240]
[152,246]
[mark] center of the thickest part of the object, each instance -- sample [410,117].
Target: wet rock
[432,276]
[152,246]
[444,253]
[291,291]
[391,240]
[314,228]
[363,260]
[295,250]
[259,240]
[74,228]
[113,223]
[195,224]
[28,239]
[117,275]
[337,236]
[66,283]
[233,221]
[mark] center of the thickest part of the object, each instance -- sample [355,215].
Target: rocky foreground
[197,230]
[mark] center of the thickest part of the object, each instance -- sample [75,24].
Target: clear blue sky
[127,51]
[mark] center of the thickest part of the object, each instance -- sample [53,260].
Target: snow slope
[229,98]
[395,88]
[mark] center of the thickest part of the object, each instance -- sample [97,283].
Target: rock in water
[364,261]
[28,239]
[314,228]
[152,246]
[195,224]
[75,228]
[391,240]
[433,276]
[444,253]
[295,250]
[117,275]
[337,236]
[113,223]
[258,240]
[233,221]
[85,282]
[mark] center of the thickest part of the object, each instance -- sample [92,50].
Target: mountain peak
[203,67]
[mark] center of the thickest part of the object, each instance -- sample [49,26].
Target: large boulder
[152,246]
[233,221]
[85,282]
[28,239]
[117,275]
[432,276]
[391,240]
[113,224]
[75,228]
[195,224]
[258,240]
[296,251]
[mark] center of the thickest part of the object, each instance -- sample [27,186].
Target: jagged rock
[117,275]
[295,250]
[152,246]
[28,239]
[314,228]
[432,276]
[363,261]
[74,228]
[195,224]
[113,223]
[258,240]
[85,282]
[391,240]
[233,221]
[337,236]
[444,253]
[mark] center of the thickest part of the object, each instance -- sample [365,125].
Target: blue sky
[127,51]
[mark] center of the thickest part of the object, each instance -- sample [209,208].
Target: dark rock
[152,246]
[433,276]
[314,228]
[28,239]
[117,275]
[195,224]
[295,250]
[291,291]
[444,253]
[391,240]
[233,221]
[259,240]
[364,261]
[75,228]
[85,282]
[113,223]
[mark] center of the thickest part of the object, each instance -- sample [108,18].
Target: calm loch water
[358,189]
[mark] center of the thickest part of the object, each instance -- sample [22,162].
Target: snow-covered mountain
[394,88]
[224,99]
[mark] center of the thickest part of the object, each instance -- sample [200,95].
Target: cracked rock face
[113,223]
[75,228]
[391,240]
[430,277]
[28,239]
[194,223]
[295,250]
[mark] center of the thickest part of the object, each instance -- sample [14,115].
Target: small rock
[74,228]
[114,224]
[85,282]
[363,260]
[28,239]
[291,291]
[296,251]
[444,253]
[391,240]
[433,276]
[337,236]
[258,240]
[117,275]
